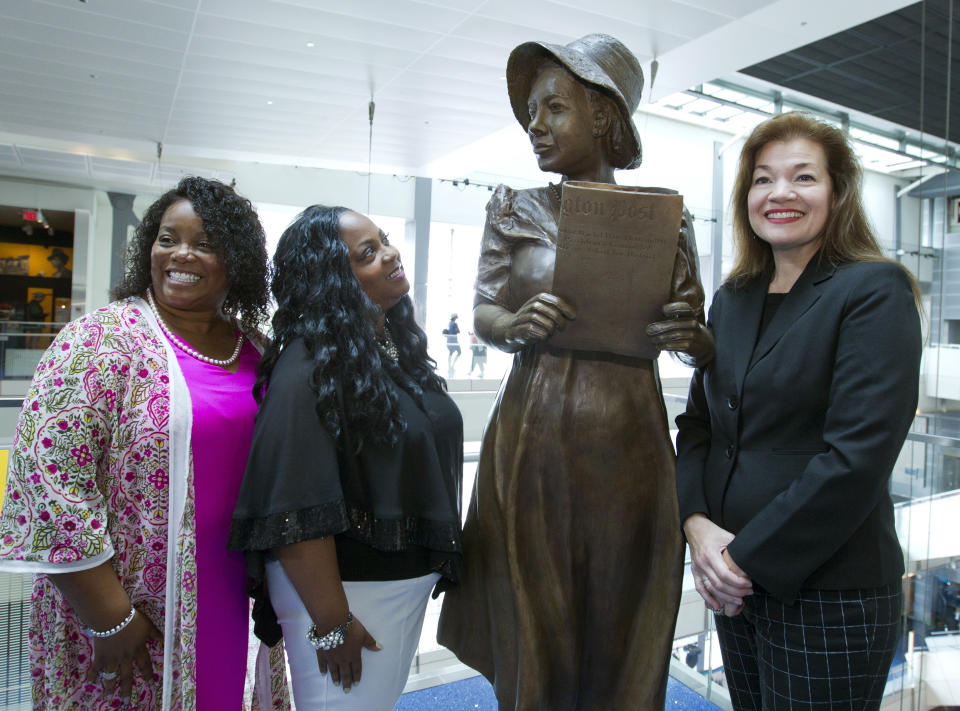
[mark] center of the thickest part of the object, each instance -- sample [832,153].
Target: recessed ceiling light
[503,78]
[269,103]
[310,44]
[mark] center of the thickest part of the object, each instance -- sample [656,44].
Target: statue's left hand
[683,334]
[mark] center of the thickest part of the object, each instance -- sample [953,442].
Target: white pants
[392,612]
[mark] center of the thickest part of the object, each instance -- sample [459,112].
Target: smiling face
[561,125]
[185,269]
[790,197]
[375,262]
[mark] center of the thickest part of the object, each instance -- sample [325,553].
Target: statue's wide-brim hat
[599,60]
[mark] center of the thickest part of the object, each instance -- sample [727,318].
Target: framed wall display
[19,265]
[35,260]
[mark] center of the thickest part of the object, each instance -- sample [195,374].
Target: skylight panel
[700,107]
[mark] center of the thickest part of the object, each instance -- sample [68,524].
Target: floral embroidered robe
[99,469]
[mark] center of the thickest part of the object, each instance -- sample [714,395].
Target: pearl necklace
[175,340]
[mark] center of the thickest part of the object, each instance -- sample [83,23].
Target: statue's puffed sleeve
[493,269]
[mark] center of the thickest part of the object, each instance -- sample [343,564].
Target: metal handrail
[941,440]
[19,328]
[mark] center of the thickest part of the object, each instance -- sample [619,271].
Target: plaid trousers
[830,650]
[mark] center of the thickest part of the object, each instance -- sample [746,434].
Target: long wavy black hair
[320,300]
[233,228]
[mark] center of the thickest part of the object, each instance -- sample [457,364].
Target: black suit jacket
[789,441]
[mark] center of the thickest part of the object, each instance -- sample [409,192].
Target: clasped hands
[544,314]
[719,580]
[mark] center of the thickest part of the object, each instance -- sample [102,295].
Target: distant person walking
[452,332]
[479,354]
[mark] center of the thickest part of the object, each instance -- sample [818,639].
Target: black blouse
[394,509]
[771,303]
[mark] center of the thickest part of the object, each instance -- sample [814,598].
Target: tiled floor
[476,694]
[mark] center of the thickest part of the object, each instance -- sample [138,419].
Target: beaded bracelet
[332,639]
[113,630]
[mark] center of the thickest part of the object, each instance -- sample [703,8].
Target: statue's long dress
[572,548]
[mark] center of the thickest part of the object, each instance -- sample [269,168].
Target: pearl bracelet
[113,630]
[332,639]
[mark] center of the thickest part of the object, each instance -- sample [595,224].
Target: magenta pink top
[223,415]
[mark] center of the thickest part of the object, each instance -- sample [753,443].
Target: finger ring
[108,675]
[720,611]
[704,581]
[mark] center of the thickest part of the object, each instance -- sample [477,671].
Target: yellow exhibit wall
[36,255]
[4,456]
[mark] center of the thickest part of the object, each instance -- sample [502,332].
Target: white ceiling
[89,89]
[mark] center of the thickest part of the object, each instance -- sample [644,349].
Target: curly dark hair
[320,300]
[233,227]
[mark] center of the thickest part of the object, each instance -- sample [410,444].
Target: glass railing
[22,343]
[925,669]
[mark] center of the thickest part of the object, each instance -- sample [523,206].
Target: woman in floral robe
[101,471]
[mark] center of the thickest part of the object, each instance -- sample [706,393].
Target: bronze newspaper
[616,248]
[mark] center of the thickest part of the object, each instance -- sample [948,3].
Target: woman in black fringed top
[349,509]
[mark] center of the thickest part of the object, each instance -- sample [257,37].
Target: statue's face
[561,125]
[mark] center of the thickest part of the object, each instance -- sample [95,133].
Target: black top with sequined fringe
[394,509]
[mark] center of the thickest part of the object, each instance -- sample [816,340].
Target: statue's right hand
[538,319]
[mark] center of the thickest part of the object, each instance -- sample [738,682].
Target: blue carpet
[476,694]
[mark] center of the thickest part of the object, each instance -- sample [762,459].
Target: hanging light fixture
[371,108]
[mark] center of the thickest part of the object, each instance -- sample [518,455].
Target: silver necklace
[175,340]
[388,346]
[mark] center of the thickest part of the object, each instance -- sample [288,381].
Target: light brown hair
[847,235]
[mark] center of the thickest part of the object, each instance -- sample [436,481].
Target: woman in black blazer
[790,434]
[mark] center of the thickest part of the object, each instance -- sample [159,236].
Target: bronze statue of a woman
[572,548]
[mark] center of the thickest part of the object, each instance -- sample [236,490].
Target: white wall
[461,204]
[678,155]
[879,201]
[292,185]
[101,245]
